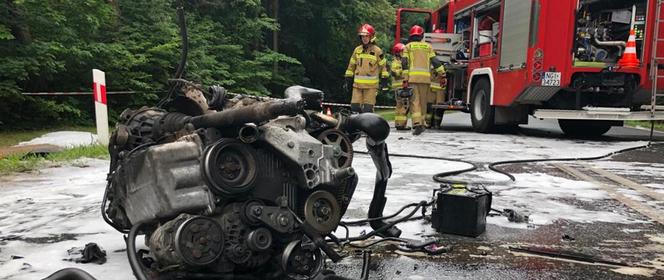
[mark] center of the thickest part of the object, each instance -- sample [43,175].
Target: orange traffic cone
[329,112]
[629,59]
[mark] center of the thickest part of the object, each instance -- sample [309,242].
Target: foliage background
[52,45]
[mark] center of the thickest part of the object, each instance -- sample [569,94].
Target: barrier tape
[348,105]
[74,93]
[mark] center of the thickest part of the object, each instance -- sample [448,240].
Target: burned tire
[482,113]
[585,128]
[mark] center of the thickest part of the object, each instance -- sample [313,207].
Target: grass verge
[659,125]
[22,163]
[387,114]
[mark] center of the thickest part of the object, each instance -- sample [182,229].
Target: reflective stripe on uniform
[366,80]
[396,85]
[419,46]
[416,115]
[384,74]
[419,73]
[416,71]
[440,69]
[348,73]
[382,62]
[367,56]
[400,118]
[436,86]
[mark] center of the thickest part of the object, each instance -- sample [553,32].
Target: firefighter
[366,71]
[418,58]
[401,109]
[438,86]
[436,95]
[434,91]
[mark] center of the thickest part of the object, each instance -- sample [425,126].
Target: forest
[247,46]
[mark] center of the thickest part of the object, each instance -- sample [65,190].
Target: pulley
[229,167]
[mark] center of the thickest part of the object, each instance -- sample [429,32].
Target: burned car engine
[234,185]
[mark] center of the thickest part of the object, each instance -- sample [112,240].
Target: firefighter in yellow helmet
[366,71]
[438,86]
[418,58]
[401,109]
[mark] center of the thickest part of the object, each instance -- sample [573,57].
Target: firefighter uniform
[396,71]
[419,57]
[438,97]
[367,66]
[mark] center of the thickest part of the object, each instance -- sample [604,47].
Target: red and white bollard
[101,110]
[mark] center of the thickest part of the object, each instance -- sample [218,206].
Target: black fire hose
[183,54]
[134,262]
[70,274]
[386,226]
[492,166]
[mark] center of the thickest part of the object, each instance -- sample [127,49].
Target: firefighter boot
[367,108]
[355,108]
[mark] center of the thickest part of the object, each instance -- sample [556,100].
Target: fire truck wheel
[585,128]
[482,113]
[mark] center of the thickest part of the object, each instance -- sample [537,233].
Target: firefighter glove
[443,82]
[348,84]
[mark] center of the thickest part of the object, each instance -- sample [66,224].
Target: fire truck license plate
[551,79]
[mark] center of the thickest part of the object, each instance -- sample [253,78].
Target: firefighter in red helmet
[418,58]
[402,100]
[366,71]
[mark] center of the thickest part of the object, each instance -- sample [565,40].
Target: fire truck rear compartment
[604,89]
[602,30]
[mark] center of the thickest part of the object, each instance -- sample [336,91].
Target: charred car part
[246,189]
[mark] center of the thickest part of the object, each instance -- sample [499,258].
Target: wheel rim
[479,104]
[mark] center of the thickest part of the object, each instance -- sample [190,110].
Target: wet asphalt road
[569,215]
[550,128]
[638,246]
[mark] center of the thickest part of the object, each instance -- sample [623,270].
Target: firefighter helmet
[398,48]
[416,30]
[366,29]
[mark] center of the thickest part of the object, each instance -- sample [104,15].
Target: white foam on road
[545,198]
[498,147]
[67,199]
[64,139]
[56,201]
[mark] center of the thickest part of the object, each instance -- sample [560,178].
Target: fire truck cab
[507,59]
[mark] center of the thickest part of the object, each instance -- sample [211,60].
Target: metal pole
[101,110]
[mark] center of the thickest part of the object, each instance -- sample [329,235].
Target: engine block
[249,189]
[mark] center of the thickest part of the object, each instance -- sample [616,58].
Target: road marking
[644,209]
[626,182]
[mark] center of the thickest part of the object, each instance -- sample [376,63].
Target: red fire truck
[508,59]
